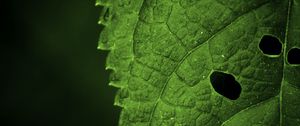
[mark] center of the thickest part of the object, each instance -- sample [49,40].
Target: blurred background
[52,73]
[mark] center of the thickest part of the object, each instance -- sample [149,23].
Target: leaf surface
[163,52]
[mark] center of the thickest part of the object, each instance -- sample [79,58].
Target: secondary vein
[284,54]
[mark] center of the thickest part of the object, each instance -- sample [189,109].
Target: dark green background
[52,73]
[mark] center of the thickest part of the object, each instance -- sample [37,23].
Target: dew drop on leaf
[270,45]
[226,85]
[294,56]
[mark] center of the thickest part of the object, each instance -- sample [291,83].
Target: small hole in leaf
[294,56]
[226,85]
[270,45]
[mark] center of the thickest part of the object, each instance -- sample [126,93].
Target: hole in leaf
[294,56]
[226,85]
[270,45]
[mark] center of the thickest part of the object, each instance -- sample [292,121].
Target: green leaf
[163,52]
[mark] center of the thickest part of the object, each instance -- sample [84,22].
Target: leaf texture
[162,53]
